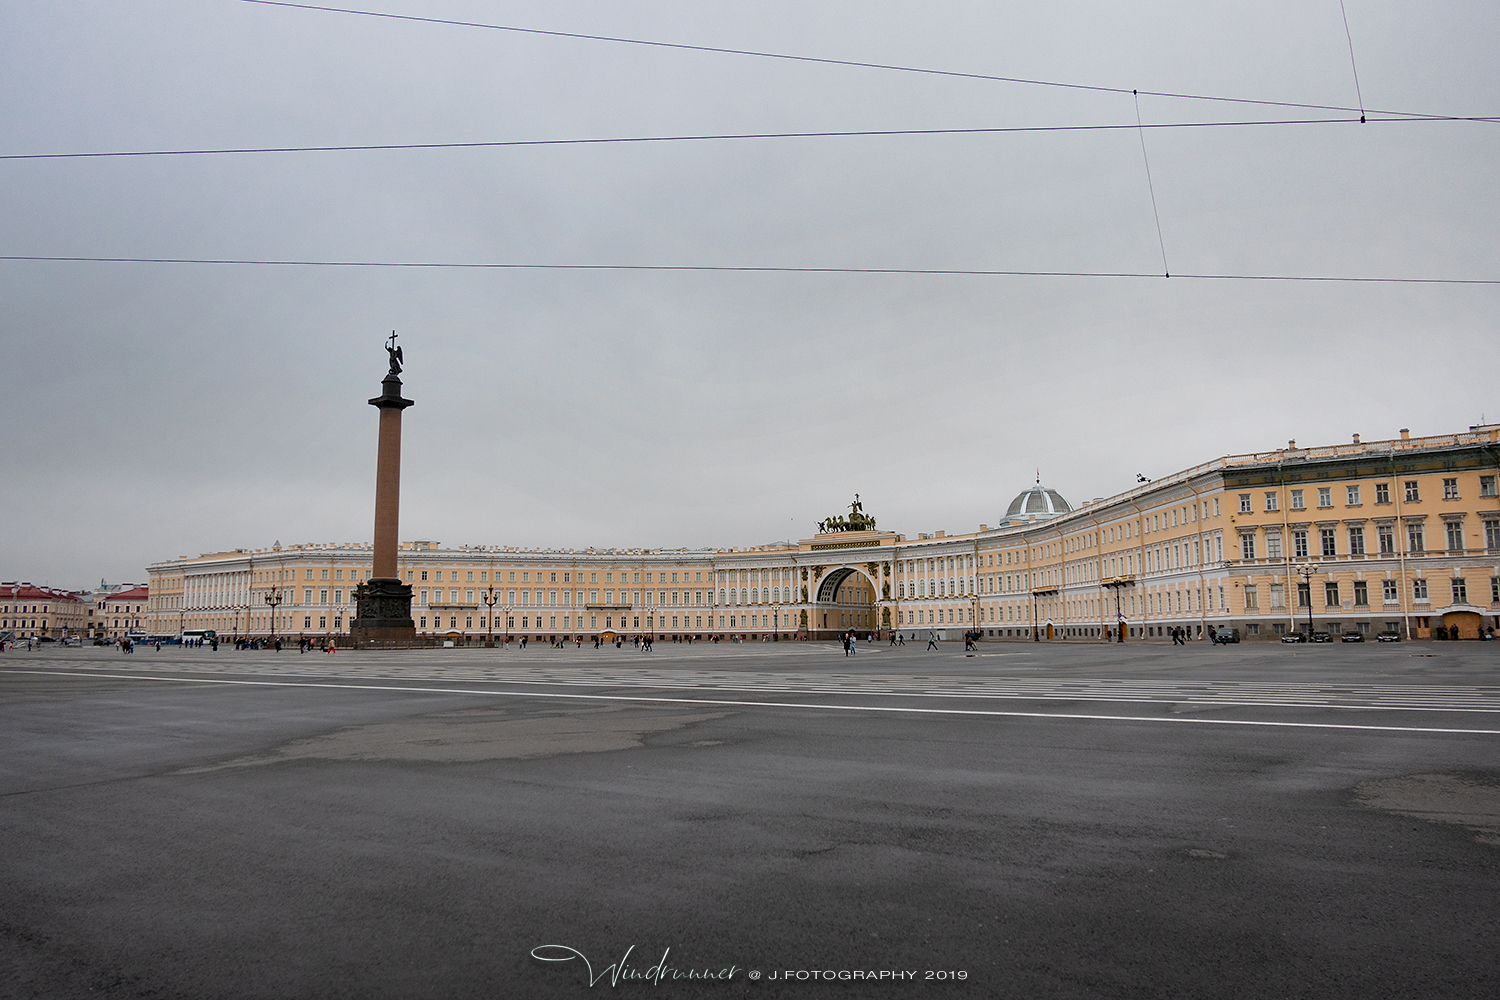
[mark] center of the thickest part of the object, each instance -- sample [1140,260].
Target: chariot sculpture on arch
[857,520]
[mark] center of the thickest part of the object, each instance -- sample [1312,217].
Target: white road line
[1250,694]
[724,702]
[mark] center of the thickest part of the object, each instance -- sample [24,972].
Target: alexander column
[384,602]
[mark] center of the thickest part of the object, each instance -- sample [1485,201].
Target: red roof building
[31,612]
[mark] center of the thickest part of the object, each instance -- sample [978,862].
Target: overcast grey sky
[155,410]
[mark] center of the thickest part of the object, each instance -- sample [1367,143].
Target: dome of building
[1037,501]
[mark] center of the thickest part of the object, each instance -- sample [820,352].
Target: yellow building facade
[1400,535]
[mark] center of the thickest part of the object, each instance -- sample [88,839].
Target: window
[1388,591]
[1361,594]
[1245,503]
[1455,532]
[1413,495]
[1297,501]
[1495,590]
[1387,539]
[1325,496]
[1247,545]
[1492,535]
[470,578]
[1304,595]
[1419,590]
[1331,594]
[325,575]
[1414,541]
[1216,506]
[1351,496]
[1278,598]
[1273,544]
[1460,591]
[1382,492]
[1450,489]
[1326,539]
[1270,500]
[1299,544]
[1487,486]
[1252,598]
[1356,541]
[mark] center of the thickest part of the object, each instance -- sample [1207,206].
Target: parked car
[1224,633]
[1353,637]
[1321,637]
[1388,636]
[1294,637]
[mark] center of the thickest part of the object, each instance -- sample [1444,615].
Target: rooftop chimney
[1356,439]
[1292,443]
[1406,433]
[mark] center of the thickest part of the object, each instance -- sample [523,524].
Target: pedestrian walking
[931,639]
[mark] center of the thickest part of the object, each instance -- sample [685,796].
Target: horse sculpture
[857,520]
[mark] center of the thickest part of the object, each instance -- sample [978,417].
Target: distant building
[125,612]
[1400,535]
[31,612]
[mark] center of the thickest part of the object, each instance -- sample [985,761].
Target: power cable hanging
[707,137]
[1357,93]
[856,63]
[742,268]
[1166,271]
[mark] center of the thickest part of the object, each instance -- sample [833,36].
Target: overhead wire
[745,268]
[705,137]
[1359,94]
[1390,116]
[1166,270]
[854,63]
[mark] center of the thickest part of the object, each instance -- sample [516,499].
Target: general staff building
[1400,535]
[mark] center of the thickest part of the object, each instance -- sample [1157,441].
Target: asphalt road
[1064,821]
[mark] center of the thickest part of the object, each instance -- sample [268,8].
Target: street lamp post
[775,621]
[506,609]
[490,598]
[1307,571]
[273,600]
